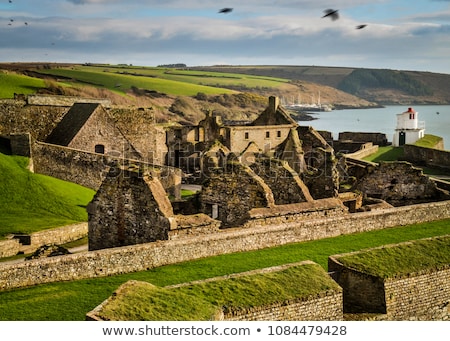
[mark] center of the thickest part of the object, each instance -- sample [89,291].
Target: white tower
[408,129]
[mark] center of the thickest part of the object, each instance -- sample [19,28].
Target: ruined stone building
[87,126]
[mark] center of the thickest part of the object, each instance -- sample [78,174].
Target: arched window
[100,148]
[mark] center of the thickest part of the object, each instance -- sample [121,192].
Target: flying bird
[359,27]
[332,13]
[225,10]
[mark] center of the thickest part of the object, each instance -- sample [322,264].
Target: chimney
[274,102]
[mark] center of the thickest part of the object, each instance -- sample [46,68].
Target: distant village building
[409,129]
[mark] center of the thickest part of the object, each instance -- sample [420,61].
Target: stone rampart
[90,169]
[146,256]
[9,247]
[326,306]
[423,295]
[428,156]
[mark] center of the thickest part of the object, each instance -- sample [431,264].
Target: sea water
[382,120]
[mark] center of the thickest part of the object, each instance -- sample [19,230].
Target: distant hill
[382,86]
[178,93]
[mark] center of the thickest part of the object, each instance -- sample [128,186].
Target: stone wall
[419,296]
[234,190]
[427,156]
[9,247]
[285,183]
[399,183]
[64,101]
[424,295]
[130,207]
[146,256]
[58,236]
[89,169]
[376,138]
[323,306]
[19,117]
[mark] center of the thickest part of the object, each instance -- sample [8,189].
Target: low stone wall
[423,295]
[9,248]
[326,306]
[323,306]
[362,153]
[64,101]
[294,213]
[146,256]
[427,156]
[57,236]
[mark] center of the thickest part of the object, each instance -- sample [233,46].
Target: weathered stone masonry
[146,256]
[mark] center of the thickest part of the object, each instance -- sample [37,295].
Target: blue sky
[400,34]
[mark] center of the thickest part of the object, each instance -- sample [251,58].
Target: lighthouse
[409,129]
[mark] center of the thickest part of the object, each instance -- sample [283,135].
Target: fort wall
[90,169]
[146,256]
[428,156]
[9,247]
[326,306]
[29,243]
[422,295]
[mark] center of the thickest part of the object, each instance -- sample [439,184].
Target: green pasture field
[11,83]
[34,202]
[72,300]
[169,81]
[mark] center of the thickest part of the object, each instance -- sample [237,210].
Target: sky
[400,34]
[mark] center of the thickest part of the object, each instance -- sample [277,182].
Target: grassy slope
[123,79]
[11,83]
[72,300]
[32,202]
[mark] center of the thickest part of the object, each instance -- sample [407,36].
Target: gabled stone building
[88,127]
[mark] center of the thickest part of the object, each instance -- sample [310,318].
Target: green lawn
[428,141]
[33,202]
[401,259]
[72,300]
[387,153]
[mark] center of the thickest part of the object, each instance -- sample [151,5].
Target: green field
[121,79]
[33,202]
[168,81]
[11,83]
[72,300]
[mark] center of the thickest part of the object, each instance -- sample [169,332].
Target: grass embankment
[11,83]
[387,153]
[72,300]
[403,259]
[201,301]
[33,202]
[428,141]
